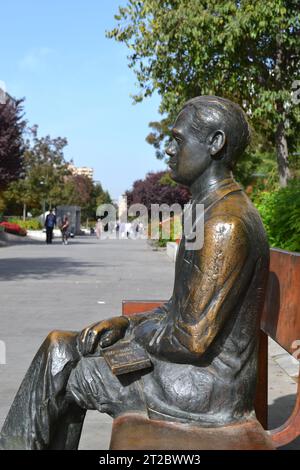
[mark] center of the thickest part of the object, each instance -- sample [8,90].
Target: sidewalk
[283,371]
[284,360]
[40,235]
[45,287]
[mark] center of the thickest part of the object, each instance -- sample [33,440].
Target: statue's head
[208,131]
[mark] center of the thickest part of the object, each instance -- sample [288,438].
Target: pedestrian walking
[64,230]
[98,228]
[50,223]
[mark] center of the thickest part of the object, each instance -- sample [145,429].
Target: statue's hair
[213,113]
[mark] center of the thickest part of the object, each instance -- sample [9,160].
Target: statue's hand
[105,333]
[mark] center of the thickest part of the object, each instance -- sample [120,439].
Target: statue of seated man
[202,343]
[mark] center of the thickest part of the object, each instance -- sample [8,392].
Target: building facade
[82,171]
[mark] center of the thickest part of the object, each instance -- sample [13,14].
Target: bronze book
[126,356]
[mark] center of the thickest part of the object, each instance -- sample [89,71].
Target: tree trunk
[24,211]
[280,137]
[282,155]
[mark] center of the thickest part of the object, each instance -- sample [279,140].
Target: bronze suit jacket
[203,343]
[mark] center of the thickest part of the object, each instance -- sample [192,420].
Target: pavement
[45,287]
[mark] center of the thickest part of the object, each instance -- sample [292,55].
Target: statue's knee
[55,337]
[61,340]
[60,348]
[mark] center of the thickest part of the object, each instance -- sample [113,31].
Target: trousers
[60,385]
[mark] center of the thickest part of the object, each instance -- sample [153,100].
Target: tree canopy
[157,188]
[244,50]
[44,171]
[47,180]
[11,141]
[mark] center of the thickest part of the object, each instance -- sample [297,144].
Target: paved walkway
[68,287]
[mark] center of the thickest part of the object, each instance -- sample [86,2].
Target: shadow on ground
[12,269]
[279,412]
[13,240]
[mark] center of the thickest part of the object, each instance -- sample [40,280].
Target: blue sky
[77,85]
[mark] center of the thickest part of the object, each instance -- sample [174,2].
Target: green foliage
[48,180]
[280,212]
[159,136]
[29,224]
[162,242]
[44,173]
[167,180]
[258,168]
[247,51]
[169,230]
[12,126]
[97,197]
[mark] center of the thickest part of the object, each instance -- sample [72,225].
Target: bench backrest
[281,316]
[281,322]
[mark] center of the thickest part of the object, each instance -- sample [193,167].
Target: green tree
[245,50]
[12,126]
[47,181]
[98,197]
[82,191]
[77,190]
[45,170]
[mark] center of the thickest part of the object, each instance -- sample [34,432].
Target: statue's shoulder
[224,225]
[236,217]
[236,206]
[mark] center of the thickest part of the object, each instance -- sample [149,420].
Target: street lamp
[45,182]
[43,204]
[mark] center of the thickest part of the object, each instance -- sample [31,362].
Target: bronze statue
[202,343]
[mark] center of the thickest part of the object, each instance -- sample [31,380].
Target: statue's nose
[171,149]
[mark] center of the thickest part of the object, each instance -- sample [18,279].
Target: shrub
[169,231]
[14,229]
[29,224]
[280,212]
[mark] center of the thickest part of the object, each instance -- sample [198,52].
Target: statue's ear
[217,141]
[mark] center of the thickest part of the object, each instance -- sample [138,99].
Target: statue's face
[189,157]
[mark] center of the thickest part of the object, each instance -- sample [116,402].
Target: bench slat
[281,315]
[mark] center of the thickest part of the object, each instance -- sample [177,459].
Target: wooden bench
[281,322]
